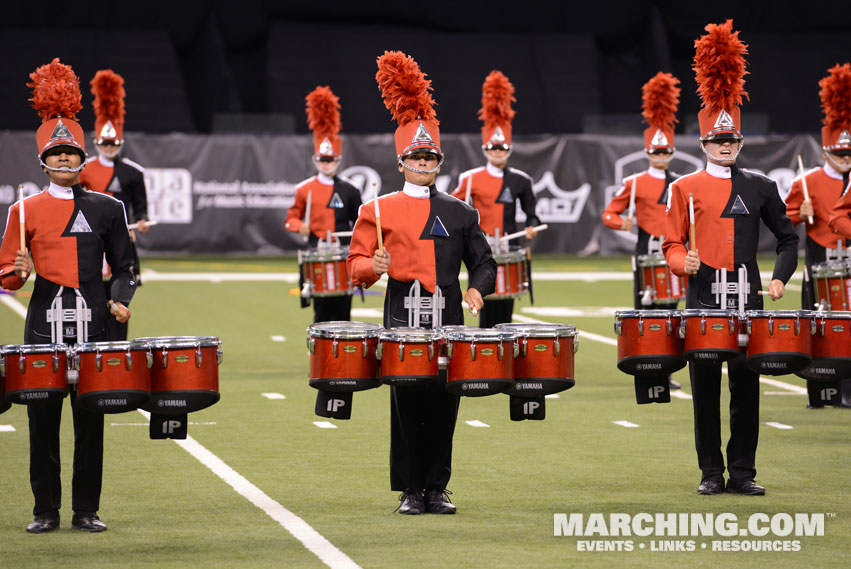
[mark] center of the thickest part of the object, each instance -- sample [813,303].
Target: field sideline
[260,483]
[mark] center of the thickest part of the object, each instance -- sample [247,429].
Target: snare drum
[779,341]
[184,373]
[710,335]
[544,361]
[35,372]
[114,377]
[481,361]
[831,347]
[511,278]
[833,285]
[325,271]
[649,341]
[343,356]
[409,356]
[654,274]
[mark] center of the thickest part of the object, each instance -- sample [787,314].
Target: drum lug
[703,325]
[55,361]
[525,346]
[99,361]
[220,356]
[365,348]
[823,323]
[771,325]
[682,328]
[22,364]
[431,351]
[449,349]
[128,360]
[473,351]
[311,345]
[500,351]
[618,328]
[379,350]
[556,347]
[198,356]
[401,352]
[165,357]
[797,326]
[2,366]
[669,326]
[334,347]
[149,359]
[576,343]
[640,325]
[750,327]
[732,325]
[76,359]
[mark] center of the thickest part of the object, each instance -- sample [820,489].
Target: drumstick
[517,234]
[133,226]
[22,218]
[631,201]
[378,225]
[342,234]
[307,215]
[468,198]
[692,244]
[804,184]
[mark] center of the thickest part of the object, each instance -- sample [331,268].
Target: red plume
[56,91]
[719,64]
[323,112]
[108,89]
[405,88]
[835,96]
[497,96]
[660,98]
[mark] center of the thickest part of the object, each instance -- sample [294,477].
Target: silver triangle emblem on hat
[325,147]
[81,225]
[659,139]
[724,120]
[61,131]
[844,137]
[498,137]
[108,131]
[422,134]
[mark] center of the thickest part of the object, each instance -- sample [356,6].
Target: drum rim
[9,349]
[780,313]
[539,330]
[659,258]
[176,341]
[337,254]
[409,334]
[111,346]
[832,315]
[648,313]
[359,330]
[520,255]
[488,335]
[710,312]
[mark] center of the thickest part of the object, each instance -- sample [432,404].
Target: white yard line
[626,424]
[476,423]
[15,305]
[680,394]
[777,425]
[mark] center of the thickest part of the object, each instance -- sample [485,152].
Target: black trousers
[496,312]
[328,308]
[744,417]
[44,419]
[422,424]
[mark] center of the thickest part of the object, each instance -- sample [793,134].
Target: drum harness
[81,314]
[418,304]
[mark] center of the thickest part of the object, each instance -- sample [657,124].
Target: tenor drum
[481,361]
[779,341]
[35,372]
[664,286]
[325,271]
[710,335]
[831,347]
[184,373]
[511,278]
[544,363]
[114,377]
[649,341]
[409,356]
[343,356]
[833,285]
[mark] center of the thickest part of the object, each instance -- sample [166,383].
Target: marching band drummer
[68,231]
[824,188]
[426,236]
[660,97]
[728,204]
[496,188]
[334,202]
[112,174]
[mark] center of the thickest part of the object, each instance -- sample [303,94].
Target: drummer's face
[327,167]
[421,161]
[841,161]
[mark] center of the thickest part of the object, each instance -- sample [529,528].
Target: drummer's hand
[692,262]
[627,224]
[23,264]
[142,225]
[807,208]
[121,312]
[304,229]
[776,289]
[530,232]
[381,262]
[132,236]
[473,298]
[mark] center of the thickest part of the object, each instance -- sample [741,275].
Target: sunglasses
[841,153]
[326,158]
[660,152]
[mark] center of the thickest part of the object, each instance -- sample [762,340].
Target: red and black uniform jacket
[495,193]
[68,232]
[334,204]
[728,206]
[123,179]
[824,186]
[427,238]
[651,201]
[840,222]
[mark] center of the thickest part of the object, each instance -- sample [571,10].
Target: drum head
[342,330]
[174,342]
[650,261]
[709,313]
[621,314]
[17,349]
[408,335]
[539,330]
[475,334]
[109,346]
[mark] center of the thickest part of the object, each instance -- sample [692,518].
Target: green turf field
[166,509]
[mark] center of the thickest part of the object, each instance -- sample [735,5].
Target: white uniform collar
[718,171]
[415,191]
[657,173]
[831,171]
[60,192]
[323,179]
[106,161]
[494,171]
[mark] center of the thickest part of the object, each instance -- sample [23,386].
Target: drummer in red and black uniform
[824,188]
[111,174]
[334,201]
[68,231]
[496,189]
[426,236]
[729,204]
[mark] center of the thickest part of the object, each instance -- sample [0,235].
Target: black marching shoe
[43,525]
[411,503]
[87,521]
[746,486]
[437,502]
[672,384]
[711,485]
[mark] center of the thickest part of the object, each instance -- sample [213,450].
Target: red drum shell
[833,285]
[343,356]
[831,348]
[708,335]
[184,374]
[649,342]
[105,383]
[326,270]
[489,372]
[511,278]
[409,356]
[544,363]
[779,342]
[44,373]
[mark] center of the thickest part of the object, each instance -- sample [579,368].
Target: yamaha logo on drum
[112,402]
[350,349]
[416,352]
[39,364]
[487,352]
[838,328]
[181,359]
[113,362]
[540,348]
